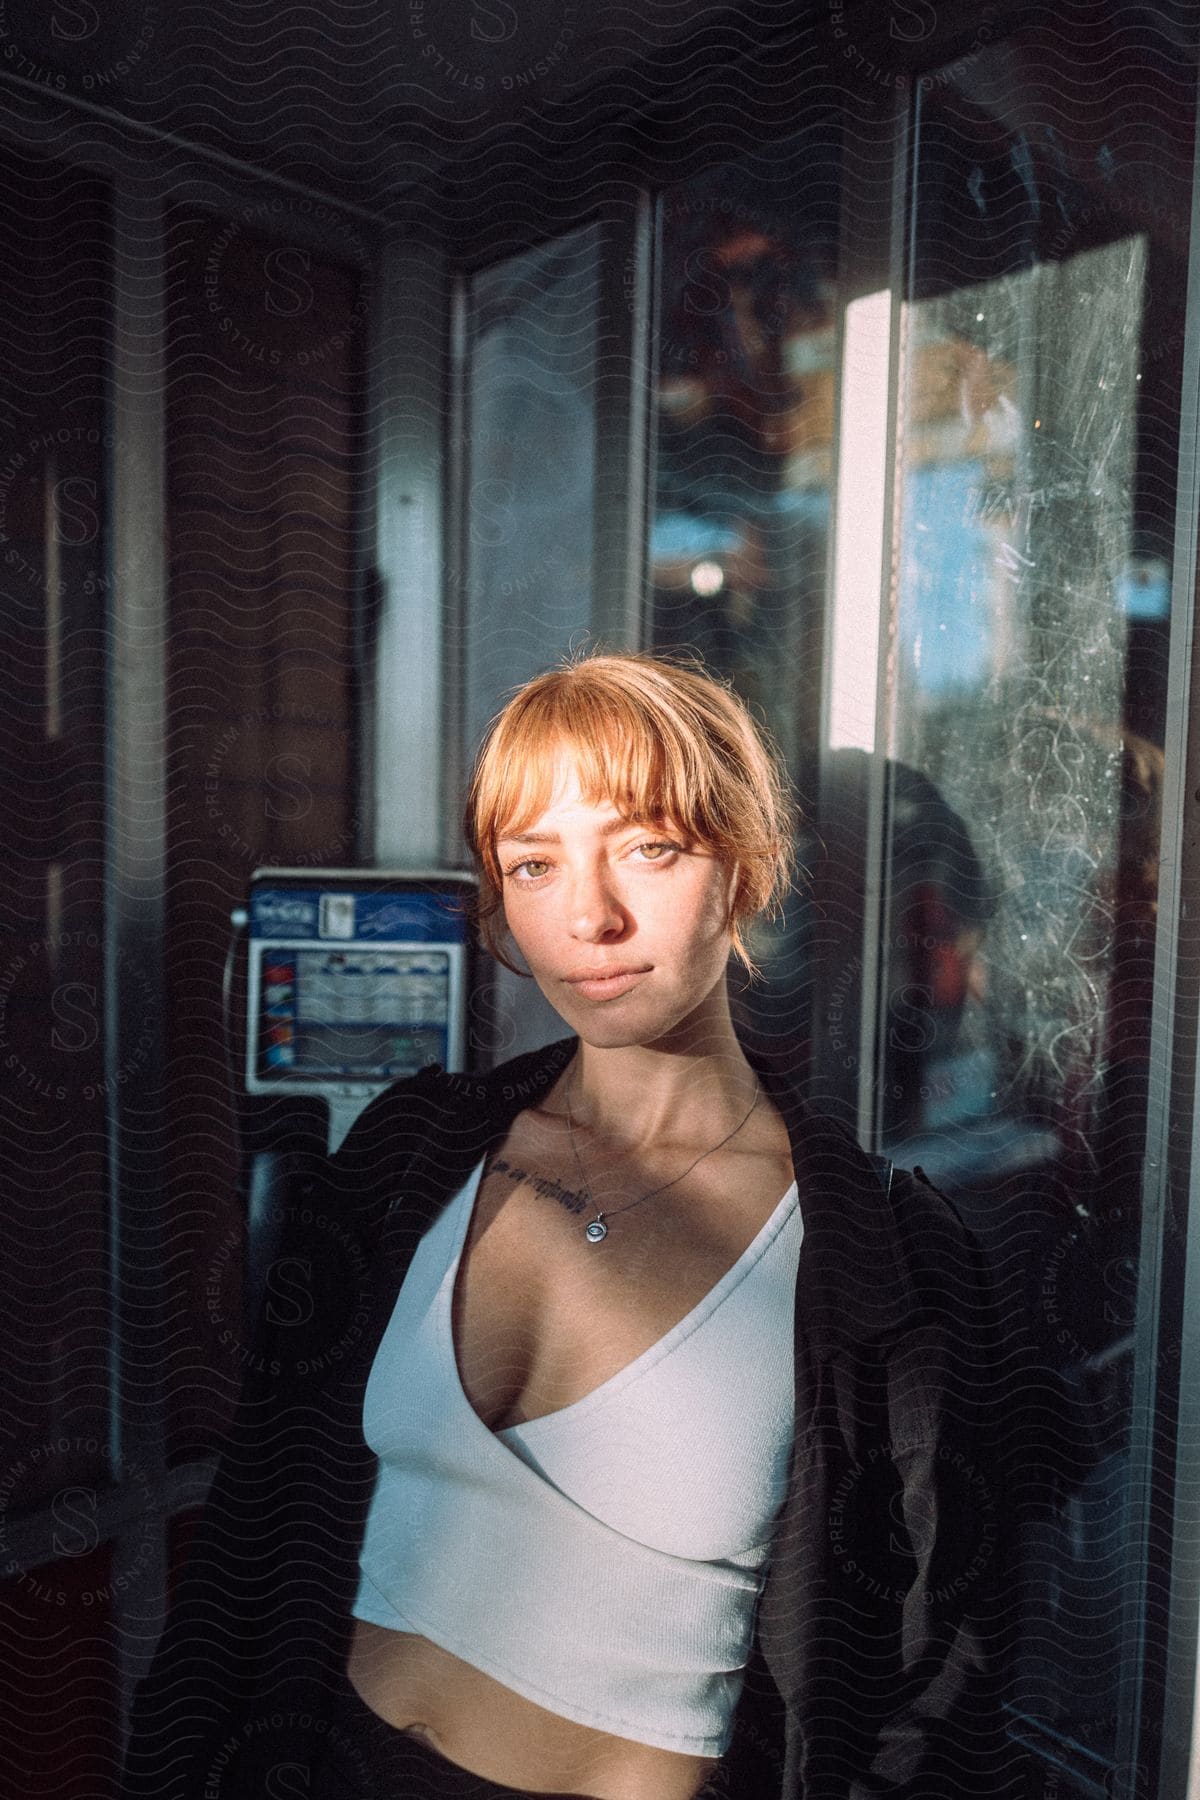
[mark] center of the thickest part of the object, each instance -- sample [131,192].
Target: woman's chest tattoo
[543,1184]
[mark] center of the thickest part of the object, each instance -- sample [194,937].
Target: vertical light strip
[53,590]
[140,1241]
[55,900]
[861,522]
[624,393]
[405,422]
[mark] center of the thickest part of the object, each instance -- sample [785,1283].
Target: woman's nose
[596,913]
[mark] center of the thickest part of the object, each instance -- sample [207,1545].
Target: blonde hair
[663,742]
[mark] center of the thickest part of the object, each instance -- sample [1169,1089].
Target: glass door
[1000,779]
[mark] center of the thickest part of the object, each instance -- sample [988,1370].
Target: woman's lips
[605,987]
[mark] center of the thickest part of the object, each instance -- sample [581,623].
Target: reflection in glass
[1016,524]
[1036,443]
[744,347]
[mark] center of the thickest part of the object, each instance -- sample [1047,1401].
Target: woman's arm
[944,1521]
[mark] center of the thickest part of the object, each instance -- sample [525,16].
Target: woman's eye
[655,852]
[531,870]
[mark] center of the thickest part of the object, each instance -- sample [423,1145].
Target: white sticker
[337,916]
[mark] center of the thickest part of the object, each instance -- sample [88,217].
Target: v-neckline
[662,1345]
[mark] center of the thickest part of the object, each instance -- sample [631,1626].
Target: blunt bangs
[663,743]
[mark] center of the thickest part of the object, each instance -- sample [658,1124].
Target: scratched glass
[1037,430]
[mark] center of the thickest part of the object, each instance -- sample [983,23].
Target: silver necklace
[596,1230]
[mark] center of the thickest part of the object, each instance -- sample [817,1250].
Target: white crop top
[604,1560]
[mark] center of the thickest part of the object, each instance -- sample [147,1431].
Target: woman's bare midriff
[477,1722]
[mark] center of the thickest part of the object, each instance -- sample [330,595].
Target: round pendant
[596,1230]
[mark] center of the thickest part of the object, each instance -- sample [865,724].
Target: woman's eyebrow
[528,837]
[608,829]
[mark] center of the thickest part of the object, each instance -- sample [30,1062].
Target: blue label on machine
[332,916]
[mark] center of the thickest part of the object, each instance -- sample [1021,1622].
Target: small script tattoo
[542,1184]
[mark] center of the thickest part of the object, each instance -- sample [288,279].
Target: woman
[652,1504]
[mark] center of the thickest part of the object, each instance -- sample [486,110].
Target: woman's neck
[683,1087]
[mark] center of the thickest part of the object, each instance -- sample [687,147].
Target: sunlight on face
[624,927]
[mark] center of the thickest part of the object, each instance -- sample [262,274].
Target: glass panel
[1017,531]
[529,465]
[1038,428]
[54,1300]
[744,346]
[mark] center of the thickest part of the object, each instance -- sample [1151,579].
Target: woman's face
[624,928]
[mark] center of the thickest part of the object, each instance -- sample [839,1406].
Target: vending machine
[350,979]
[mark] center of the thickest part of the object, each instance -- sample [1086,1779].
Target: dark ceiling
[485,123]
[370,101]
